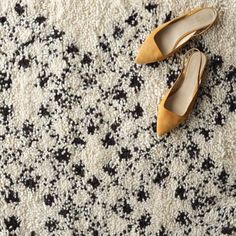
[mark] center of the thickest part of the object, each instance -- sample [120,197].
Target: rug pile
[79,154]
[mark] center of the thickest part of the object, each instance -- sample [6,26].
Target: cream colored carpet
[78,150]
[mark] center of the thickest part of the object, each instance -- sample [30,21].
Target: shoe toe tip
[161,131]
[164,124]
[137,60]
[145,57]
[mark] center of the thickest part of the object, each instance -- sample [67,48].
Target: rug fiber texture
[79,154]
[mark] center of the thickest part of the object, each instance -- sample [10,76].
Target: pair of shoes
[163,42]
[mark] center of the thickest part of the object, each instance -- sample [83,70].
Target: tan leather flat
[178,102]
[169,37]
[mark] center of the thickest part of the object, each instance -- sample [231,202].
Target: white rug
[78,150]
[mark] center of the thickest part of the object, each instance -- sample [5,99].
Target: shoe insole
[181,99]
[167,38]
